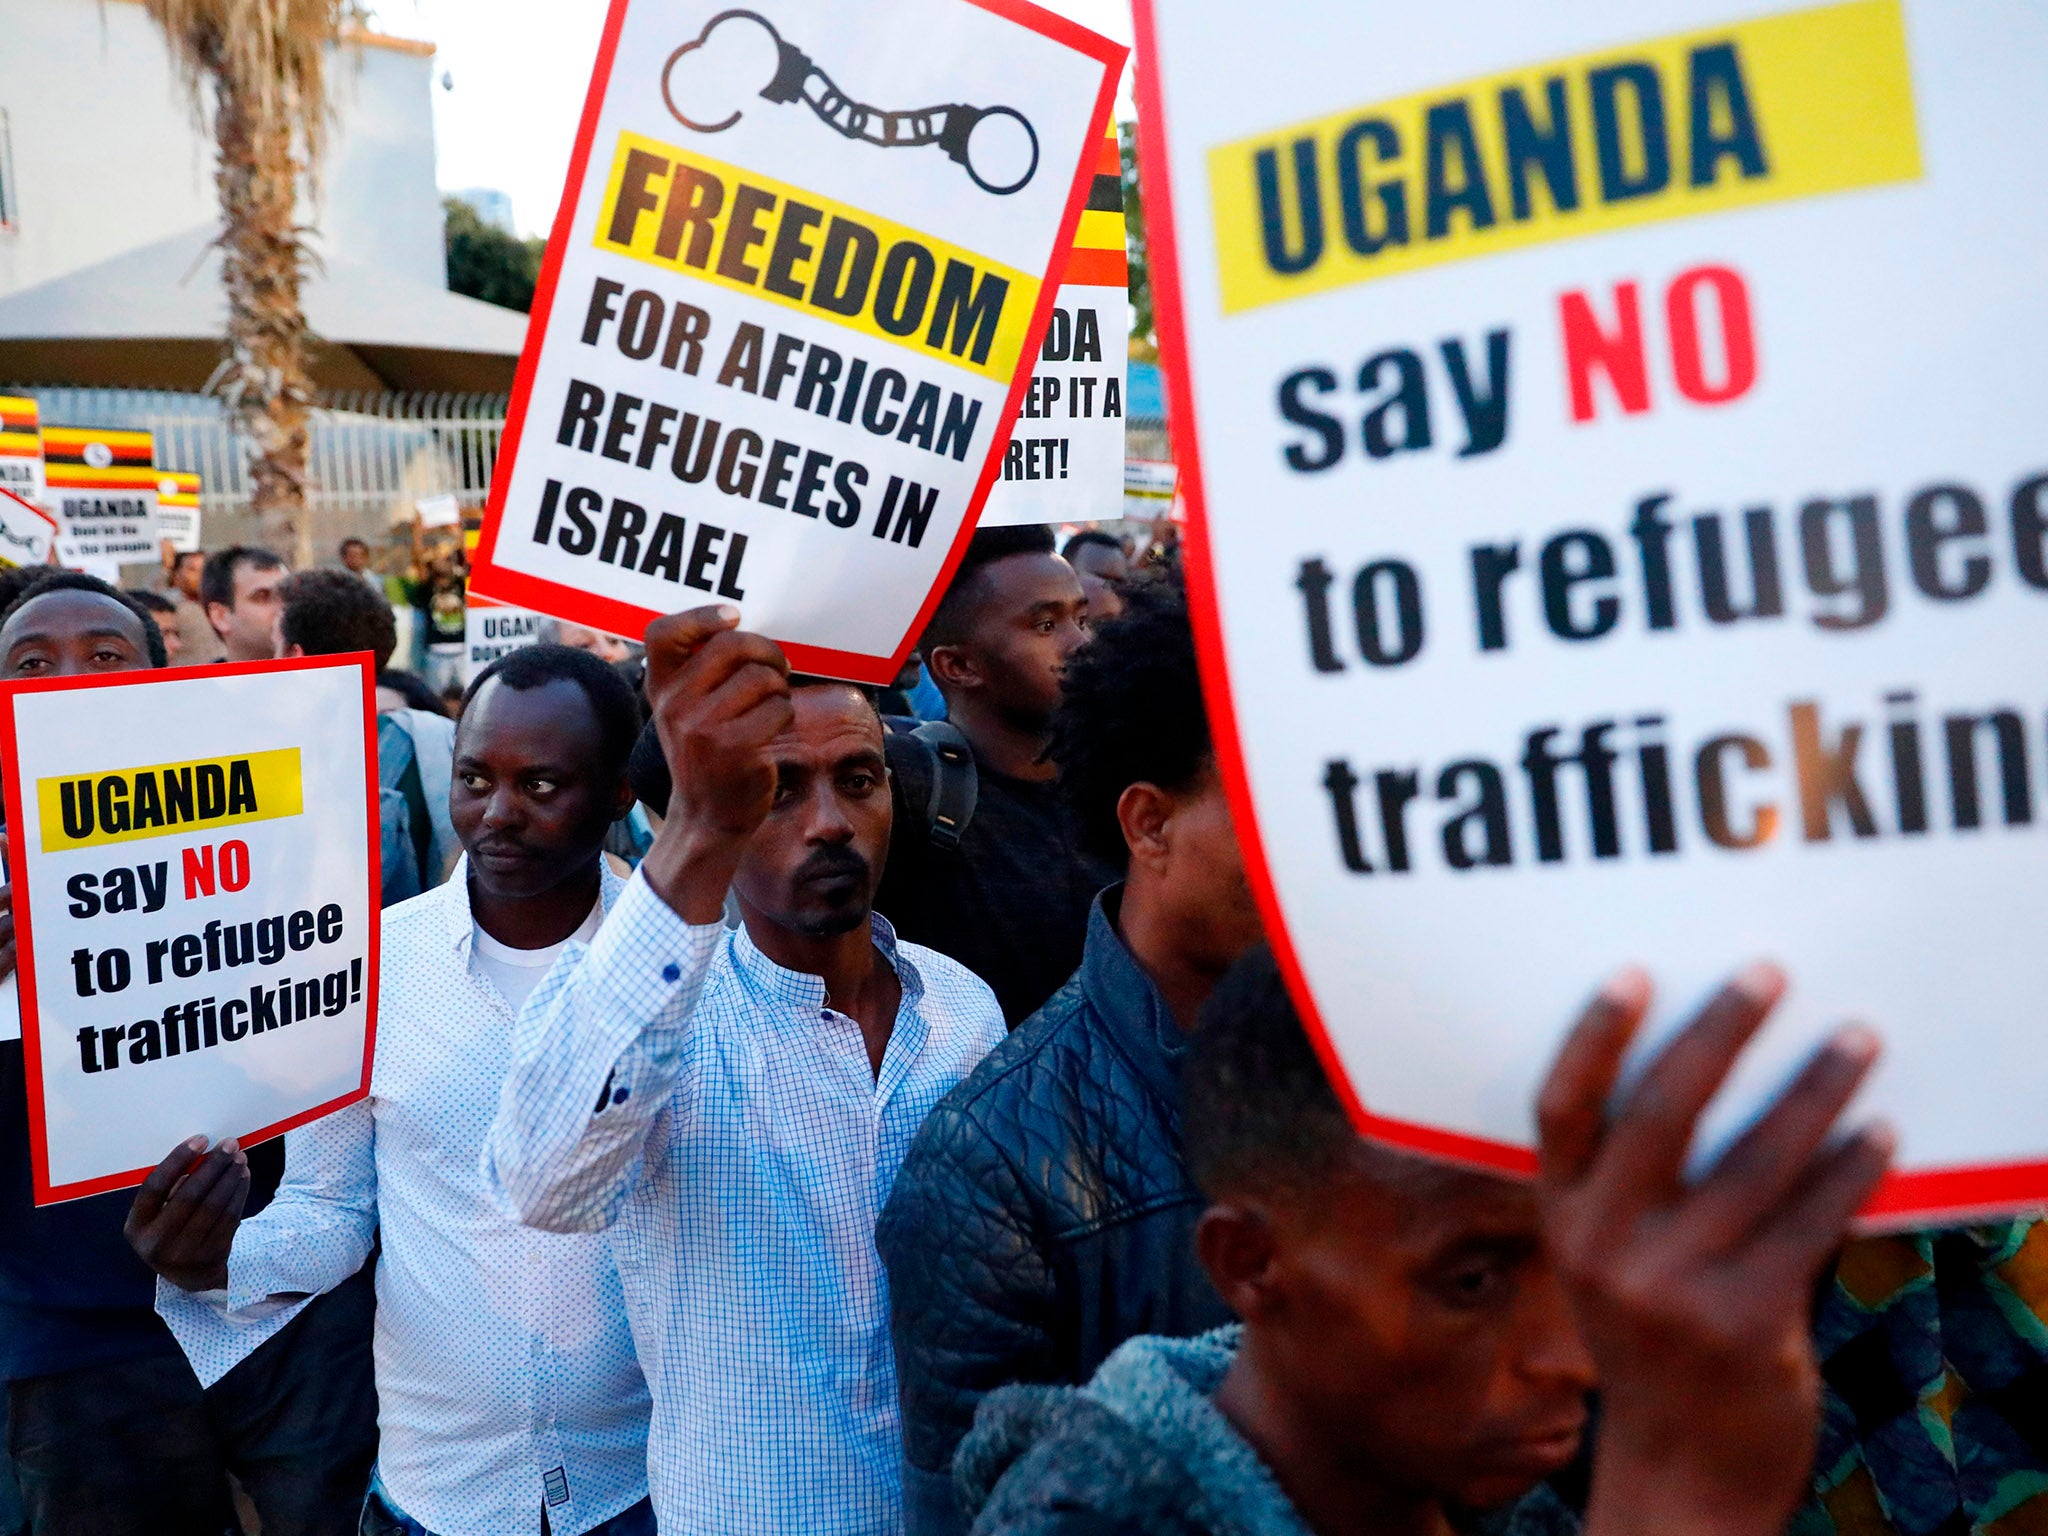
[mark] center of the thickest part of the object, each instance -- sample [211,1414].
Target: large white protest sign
[26,531]
[1613,435]
[1064,460]
[491,630]
[195,901]
[102,484]
[787,312]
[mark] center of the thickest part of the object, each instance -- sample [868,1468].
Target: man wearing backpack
[984,865]
[331,613]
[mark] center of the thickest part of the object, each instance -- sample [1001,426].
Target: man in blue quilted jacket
[1044,1214]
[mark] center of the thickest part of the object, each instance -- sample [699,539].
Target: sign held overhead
[1588,569]
[780,337]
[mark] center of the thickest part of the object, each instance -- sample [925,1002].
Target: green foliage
[1134,238]
[486,263]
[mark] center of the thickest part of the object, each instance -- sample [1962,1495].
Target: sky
[510,77]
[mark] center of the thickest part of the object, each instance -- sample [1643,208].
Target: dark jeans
[383,1518]
[136,1449]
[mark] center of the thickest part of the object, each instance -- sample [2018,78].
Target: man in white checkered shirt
[732,1106]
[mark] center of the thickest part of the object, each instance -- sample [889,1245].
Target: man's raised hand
[720,696]
[1695,1297]
[183,1218]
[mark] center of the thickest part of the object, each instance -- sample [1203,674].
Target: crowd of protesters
[798,1108]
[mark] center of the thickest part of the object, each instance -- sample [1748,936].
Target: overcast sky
[518,71]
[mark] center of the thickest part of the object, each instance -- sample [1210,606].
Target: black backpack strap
[956,785]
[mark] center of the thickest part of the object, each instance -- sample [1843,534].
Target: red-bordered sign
[524,590]
[21,868]
[1917,1196]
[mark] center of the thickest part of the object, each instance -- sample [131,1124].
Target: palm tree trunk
[264,377]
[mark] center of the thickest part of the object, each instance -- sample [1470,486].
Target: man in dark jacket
[1008,897]
[1044,1215]
[1419,1339]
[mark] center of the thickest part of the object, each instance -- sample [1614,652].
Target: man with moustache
[730,1106]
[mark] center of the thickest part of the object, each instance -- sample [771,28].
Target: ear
[219,616]
[1145,812]
[293,651]
[622,797]
[953,667]
[1237,1246]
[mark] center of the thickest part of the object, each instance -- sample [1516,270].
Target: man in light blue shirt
[732,1106]
[511,1400]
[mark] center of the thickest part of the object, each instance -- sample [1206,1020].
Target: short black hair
[183,555]
[15,580]
[1088,536]
[648,766]
[48,581]
[1259,1109]
[411,687]
[329,613]
[351,542]
[148,601]
[611,697]
[954,616]
[217,581]
[1130,712]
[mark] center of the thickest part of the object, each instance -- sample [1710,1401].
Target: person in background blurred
[355,559]
[330,613]
[1100,561]
[435,587]
[400,689]
[164,614]
[199,644]
[239,585]
[604,647]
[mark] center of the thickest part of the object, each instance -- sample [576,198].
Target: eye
[475,783]
[862,783]
[542,788]
[1475,1282]
[29,666]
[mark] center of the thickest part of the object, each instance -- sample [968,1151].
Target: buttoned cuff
[648,960]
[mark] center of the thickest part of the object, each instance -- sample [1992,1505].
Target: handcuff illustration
[987,142]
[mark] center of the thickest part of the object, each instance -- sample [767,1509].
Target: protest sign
[103,488]
[442,511]
[26,531]
[21,448]
[1149,488]
[177,509]
[1619,529]
[491,630]
[195,904]
[1066,451]
[784,322]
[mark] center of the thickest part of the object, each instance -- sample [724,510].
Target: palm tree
[265,64]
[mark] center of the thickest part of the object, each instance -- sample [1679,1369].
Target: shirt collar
[452,896]
[1128,1003]
[804,992]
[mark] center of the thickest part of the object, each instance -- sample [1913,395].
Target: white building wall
[107,157]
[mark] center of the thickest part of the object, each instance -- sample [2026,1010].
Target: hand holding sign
[720,696]
[183,1220]
[1675,1283]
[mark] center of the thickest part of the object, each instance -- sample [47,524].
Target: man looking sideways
[1045,1214]
[732,1105]
[110,1431]
[1009,896]
[510,1398]
[239,585]
[1419,1340]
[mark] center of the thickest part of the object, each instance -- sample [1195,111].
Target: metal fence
[372,455]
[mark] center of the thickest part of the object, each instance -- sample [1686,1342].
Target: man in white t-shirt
[510,1393]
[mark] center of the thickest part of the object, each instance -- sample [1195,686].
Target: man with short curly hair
[1044,1215]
